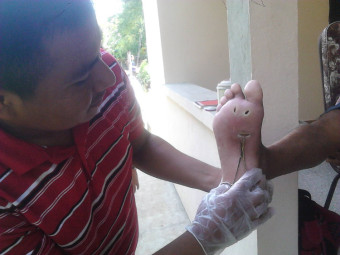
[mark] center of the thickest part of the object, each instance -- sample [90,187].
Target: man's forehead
[72,51]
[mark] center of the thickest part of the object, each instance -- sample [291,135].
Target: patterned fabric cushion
[330,63]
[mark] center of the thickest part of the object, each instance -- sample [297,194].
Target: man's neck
[38,137]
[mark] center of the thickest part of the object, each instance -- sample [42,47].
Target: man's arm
[158,158]
[306,146]
[185,244]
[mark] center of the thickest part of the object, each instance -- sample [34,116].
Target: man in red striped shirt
[70,130]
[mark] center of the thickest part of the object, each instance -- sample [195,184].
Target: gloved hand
[228,214]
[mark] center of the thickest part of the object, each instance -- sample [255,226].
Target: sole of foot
[237,128]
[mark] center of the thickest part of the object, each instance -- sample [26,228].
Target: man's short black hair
[24,26]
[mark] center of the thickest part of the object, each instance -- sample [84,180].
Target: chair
[329,43]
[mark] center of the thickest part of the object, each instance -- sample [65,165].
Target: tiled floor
[317,181]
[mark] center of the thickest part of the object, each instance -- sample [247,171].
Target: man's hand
[334,159]
[228,214]
[135,182]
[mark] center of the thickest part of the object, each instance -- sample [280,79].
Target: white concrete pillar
[263,41]
[239,41]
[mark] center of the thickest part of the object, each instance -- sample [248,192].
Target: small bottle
[221,87]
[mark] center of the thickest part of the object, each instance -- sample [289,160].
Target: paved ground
[160,213]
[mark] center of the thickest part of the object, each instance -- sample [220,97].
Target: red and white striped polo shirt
[79,199]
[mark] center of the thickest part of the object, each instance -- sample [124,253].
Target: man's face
[71,92]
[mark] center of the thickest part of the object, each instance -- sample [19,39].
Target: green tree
[126,32]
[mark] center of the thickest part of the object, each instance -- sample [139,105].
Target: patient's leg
[237,127]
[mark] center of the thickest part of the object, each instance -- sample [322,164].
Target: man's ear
[2,100]
[7,101]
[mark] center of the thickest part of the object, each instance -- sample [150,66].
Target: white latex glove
[227,215]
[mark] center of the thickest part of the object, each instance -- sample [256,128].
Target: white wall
[274,39]
[194,43]
[272,29]
[313,18]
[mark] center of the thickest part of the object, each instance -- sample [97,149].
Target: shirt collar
[21,156]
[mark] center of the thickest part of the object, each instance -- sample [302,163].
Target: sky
[106,8]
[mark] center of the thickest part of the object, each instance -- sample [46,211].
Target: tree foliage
[126,32]
[143,75]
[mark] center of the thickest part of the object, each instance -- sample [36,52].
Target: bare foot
[237,128]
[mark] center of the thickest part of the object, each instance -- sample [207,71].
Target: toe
[253,92]
[237,91]
[223,100]
[228,94]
